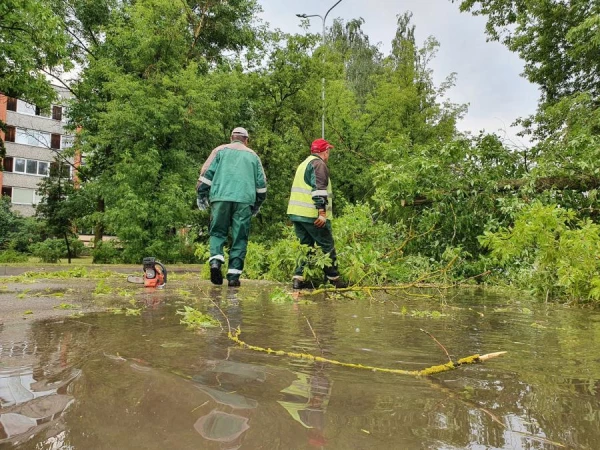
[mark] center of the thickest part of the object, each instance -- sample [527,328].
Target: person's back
[233,181]
[233,174]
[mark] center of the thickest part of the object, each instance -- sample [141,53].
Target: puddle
[106,381]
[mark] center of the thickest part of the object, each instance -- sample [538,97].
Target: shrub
[106,252]
[77,248]
[550,251]
[11,256]
[49,251]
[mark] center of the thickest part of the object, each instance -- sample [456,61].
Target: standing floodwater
[106,381]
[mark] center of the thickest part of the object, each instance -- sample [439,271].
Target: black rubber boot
[233,283]
[216,276]
[337,283]
[301,284]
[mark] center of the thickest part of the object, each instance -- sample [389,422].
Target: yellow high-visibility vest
[301,199]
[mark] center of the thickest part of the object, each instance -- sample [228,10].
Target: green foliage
[66,306]
[106,252]
[52,250]
[11,256]
[61,204]
[31,39]
[102,288]
[557,40]
[550,251]
[279,295]
[49,251]
[194,319]
[27,231]
[7,220]
[256,264]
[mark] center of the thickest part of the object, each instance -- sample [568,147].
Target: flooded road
[117,381]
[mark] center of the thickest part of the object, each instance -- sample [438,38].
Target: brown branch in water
[222,313]
[437,342]
[314,334]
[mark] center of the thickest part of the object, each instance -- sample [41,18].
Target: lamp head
[302,16]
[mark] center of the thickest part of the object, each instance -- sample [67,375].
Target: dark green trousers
[237,216]
[310,235]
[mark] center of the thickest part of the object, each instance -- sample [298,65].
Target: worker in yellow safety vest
[309,209]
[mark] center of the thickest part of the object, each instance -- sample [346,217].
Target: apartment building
[33,139]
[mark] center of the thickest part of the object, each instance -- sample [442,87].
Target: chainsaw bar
[136,280]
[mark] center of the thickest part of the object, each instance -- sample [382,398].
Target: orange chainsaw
[155,274]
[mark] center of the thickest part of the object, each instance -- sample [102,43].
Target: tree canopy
[162,83]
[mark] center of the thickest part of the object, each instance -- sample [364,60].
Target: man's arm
[317,176]
[261,187]
[206,177]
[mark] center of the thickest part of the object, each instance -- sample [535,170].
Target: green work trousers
[236,216]
[310,235]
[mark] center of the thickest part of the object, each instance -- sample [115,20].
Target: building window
[66,141]
[31,167]
[46,112]
[10,134]
[43,168]
[19,165]
[7,164]
[22,196]
[55,141]
[57,112]
[25,108]
[32,137]
[22,107]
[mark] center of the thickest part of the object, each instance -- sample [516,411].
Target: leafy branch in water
[194,319]
[473,359]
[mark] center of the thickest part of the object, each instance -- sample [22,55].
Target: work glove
[255,209]
[202,203]
[321,219]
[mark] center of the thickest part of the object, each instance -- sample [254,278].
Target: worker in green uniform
[233,183]
[310,211]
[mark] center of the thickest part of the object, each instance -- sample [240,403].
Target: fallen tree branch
[417,283]
[473,359]
[437,342]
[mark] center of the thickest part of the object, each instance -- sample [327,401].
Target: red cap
[320,145]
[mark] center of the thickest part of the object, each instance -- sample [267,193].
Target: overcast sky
[488,75]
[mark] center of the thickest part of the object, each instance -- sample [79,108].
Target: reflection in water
[306,400]
[220,426]
[106,382]
[29,405]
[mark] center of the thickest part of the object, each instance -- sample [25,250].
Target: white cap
[241,131]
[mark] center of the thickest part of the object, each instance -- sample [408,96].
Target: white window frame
[33,138]
[66,141]
[29,109]
[25,108]
[22,190]
[37,167]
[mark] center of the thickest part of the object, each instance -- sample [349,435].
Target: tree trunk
[68,247]
[99,228]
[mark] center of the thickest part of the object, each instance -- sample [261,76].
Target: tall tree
[31,40]
[558,40]
[146,104]
[61,204]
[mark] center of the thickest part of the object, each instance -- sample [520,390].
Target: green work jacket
[233,173]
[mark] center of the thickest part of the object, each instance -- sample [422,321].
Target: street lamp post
[323,19]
